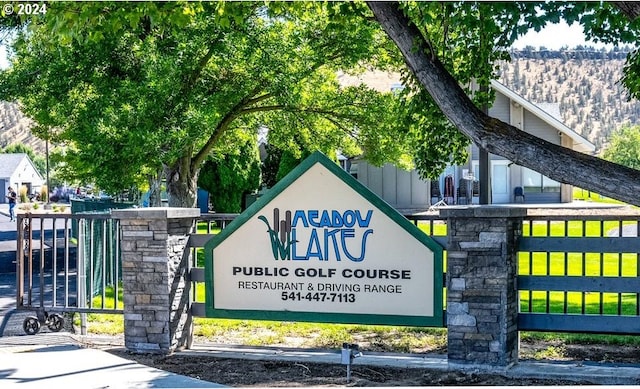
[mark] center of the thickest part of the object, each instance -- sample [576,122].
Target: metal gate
[58,271]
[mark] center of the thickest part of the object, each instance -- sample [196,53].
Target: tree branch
[259,99]
[238,111]
[226,121]
[187,87]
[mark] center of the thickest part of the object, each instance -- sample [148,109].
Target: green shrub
[229,176]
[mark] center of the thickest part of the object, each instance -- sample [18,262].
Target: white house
[17,170]
[405,190]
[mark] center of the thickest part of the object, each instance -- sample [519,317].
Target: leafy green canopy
[624,147]
[132,87]
[555,161]
[469,39]
[228,176]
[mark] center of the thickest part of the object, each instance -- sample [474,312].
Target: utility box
[203,200]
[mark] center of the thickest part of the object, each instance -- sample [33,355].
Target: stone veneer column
[482,300]
[154,277]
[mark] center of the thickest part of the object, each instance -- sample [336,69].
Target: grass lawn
[585,195]
[107,324]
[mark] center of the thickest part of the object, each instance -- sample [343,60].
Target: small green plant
[261,340]
[106,324]
[36,206]
[550,352]
[58,208]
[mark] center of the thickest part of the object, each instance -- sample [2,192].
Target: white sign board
[321,245]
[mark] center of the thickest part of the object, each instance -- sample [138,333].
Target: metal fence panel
[57,272]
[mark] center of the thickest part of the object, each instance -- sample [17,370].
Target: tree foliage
[231,175]
[468,39]
[624,147]
[288,162]
[131,87]
[270,166]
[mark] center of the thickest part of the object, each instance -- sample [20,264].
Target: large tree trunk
[556,162]
[182,184]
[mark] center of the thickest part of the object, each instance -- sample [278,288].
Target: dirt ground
[251,373]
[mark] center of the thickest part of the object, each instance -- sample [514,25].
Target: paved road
[8,239]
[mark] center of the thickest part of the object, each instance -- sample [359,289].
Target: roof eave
[579,142]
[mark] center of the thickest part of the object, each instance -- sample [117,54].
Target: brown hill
[587,88]
[16,128]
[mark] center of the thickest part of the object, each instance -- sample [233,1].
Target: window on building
[534,182]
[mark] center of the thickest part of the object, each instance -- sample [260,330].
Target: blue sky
[555,36]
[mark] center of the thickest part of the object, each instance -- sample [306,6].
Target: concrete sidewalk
[60,362]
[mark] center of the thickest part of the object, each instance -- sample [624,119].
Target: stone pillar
[154,277]
[482,300]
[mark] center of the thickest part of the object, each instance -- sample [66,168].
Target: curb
[580,372]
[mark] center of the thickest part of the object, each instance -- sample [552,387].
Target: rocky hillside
[15,128]
[584,82]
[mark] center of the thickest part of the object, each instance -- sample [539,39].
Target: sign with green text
[321,247]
